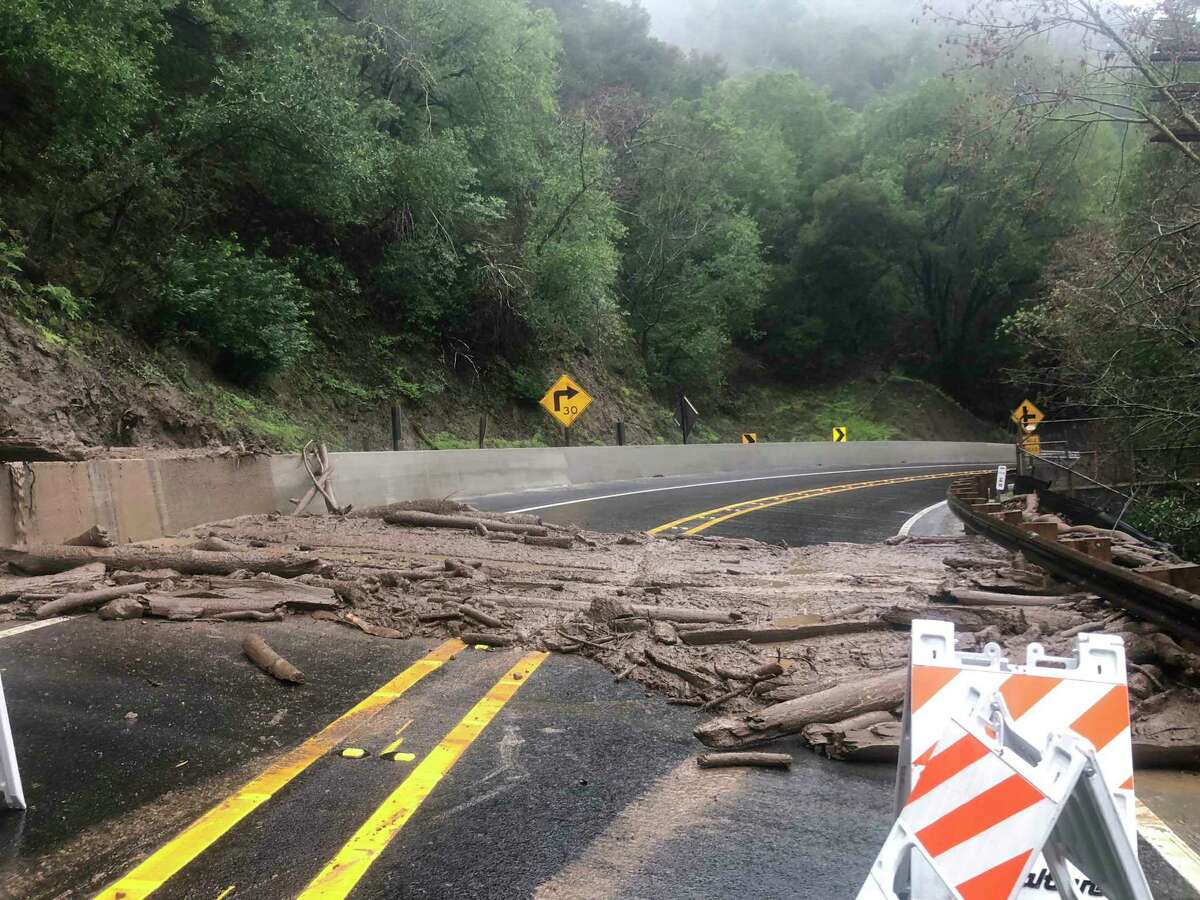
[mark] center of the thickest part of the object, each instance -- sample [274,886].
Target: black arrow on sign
[569,394]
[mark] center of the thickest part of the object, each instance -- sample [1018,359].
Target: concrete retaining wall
[371,479]
[139,499]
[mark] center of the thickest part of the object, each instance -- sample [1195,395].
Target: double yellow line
[349,865]
[698,522]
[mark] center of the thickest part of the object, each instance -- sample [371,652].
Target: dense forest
[499,181]
[999,199]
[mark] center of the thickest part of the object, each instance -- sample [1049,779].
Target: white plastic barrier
[10,778]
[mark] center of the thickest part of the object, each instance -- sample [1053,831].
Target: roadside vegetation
[491,184]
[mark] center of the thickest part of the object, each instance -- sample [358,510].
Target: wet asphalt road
[580,787]
[872,514]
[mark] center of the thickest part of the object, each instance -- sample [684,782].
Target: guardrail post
[620,434]
[397,426]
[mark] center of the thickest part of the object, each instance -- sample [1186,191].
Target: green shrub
[1173,518]
[249,310]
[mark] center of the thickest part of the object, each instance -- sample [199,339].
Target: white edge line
[917,517]
[32,626]
[685,487]
[1170,846]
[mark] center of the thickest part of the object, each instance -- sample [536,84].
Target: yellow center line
[347,868]
[165,862]
[711,517]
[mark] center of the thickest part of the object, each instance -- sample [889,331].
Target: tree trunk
[70,603]
[790,717]
[417,519]
[775,635]
[57,583]
[261,654]
[43,560]
[722,760]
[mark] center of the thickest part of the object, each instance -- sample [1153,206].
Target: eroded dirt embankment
[727,625]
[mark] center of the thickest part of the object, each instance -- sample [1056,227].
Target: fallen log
[965,597]
[349,591]
[972,562]
[1173,656]
[665,613]
[974,619]
[1096,531]
[691,676]
[381,631]
[78,602]
[448,616]
[1131,558]
[462,570]
[1149,754]
[122,608]
[93,537]
[724,760]
[759,675]
[56,583]
[790,717]
[491,640]
[769,635]
[478,615]
[559,543]
[247,615]
[214,544]
[819,734]
[876,743]
[416,519]
[44,560]
[261,654]
[1080,629]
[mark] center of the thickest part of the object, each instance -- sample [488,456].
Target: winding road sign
[749,438]
[566,401]
[839,434]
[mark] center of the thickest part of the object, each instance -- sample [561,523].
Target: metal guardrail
[1176,610]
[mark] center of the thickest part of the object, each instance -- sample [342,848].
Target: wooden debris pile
[805,645]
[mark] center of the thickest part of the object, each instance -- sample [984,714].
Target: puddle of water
[793,621]
[1175,798]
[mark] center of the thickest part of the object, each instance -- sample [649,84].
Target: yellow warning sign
[1028,416]
[749,438]
[840,435]
[566,401]
[1032,444]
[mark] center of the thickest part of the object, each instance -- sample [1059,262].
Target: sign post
[688,414]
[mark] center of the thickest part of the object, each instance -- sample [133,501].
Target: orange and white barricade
[989,801]
[10,778]
[1084,694]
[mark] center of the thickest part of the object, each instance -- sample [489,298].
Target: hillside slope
[101,388]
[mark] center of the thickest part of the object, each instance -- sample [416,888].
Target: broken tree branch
[261,654]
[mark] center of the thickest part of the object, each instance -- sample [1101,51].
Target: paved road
[576,788]
[867,513]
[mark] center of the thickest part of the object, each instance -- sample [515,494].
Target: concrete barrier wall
[139,499]
[372,479]
[135,499]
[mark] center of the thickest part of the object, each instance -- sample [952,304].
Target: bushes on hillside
[249,310]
